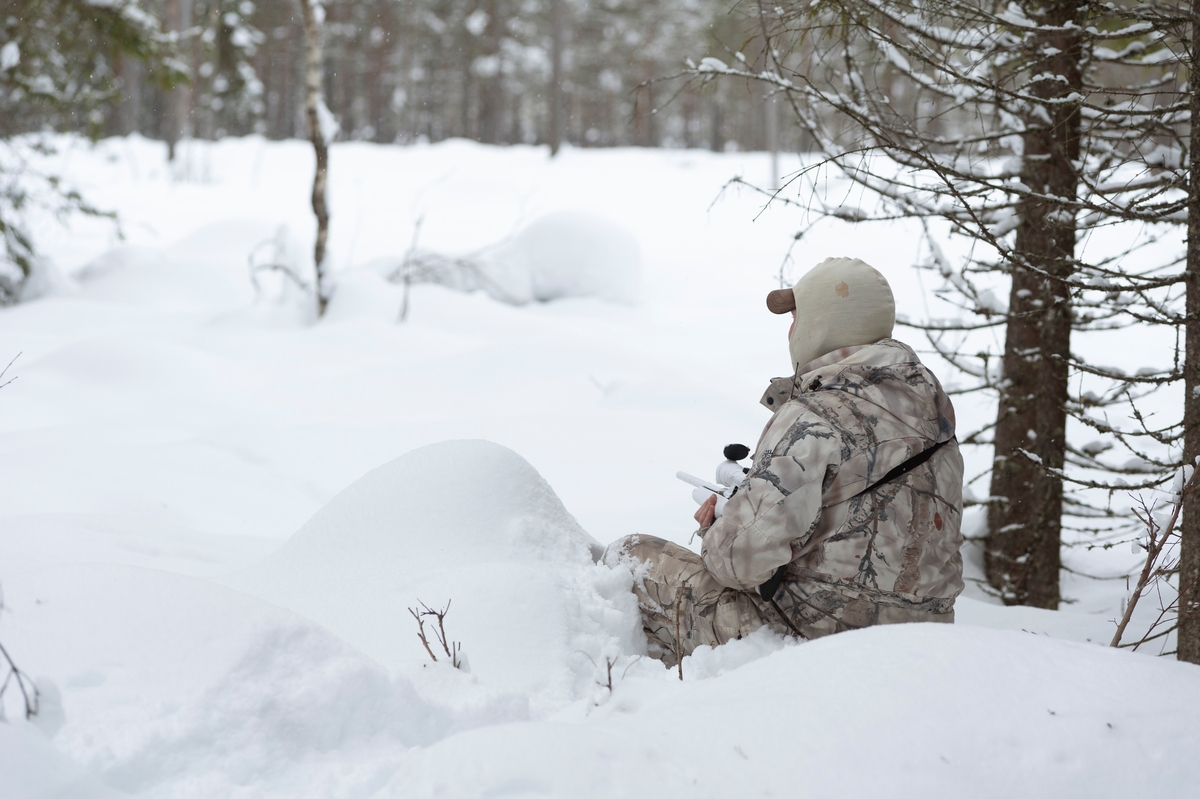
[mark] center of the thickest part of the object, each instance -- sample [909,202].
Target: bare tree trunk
[179,19]
[125,115]
[468,89]
[1189,532]
[312,115]
[772,111]
[688,107]
[490,99]
[556,77]
[1023,556]
[716,124]
[645,121]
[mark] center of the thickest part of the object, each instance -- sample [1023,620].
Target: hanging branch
[1157,540]
[4,371]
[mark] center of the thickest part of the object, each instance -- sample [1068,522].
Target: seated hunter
[850,513]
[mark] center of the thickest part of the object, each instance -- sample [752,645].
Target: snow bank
[560,255]
[903,711]
[473,524]
[364,294]
[30,766]
[206,269]
[565,254]
[174,686]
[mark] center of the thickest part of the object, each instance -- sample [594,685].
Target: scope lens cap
[735,452]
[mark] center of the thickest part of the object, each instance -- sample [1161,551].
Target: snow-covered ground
[217,511]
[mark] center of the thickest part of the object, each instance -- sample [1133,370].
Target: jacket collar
[810,376]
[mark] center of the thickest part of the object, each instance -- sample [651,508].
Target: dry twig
[1157,541]
[29,691]
[421,632]
[276,263]
[4,371]
[451,648]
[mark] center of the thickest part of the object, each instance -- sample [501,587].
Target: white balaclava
[840,302]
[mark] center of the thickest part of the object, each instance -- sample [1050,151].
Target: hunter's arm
[779,503]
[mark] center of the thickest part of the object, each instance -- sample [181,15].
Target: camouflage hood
[840,302]
[813,501]
[889,383]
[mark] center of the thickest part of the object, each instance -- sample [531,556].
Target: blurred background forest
[400,71]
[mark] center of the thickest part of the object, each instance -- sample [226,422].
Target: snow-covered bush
[559,255]
[564,254]
[57,68]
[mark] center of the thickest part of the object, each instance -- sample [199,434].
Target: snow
[996,714]
[566,254]
[10,56]
[327,122]
[711,64]
[218,509]
[469,522]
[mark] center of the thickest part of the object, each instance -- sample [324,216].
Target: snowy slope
[218,511]
[176,686]
[923,711]
[474,524]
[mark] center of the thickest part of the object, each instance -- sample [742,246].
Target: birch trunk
[491,86]
[312,117]
[179,99]
[556,77]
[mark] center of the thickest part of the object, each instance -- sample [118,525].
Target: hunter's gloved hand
[706,514]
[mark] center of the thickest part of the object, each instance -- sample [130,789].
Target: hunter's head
[840,302]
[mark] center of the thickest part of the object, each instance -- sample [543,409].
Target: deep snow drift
[180,687]
[218,510]
[471,523]
[568,255]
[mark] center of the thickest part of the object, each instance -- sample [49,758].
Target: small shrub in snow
[4,371]
[29,691]
[1161,544]
[281,260]
[559,255]
[13,675]
[453,649]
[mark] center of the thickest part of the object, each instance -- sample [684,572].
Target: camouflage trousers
[682,606]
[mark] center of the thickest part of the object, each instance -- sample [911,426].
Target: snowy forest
[349,348]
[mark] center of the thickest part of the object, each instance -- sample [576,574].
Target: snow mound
[565,254]
[31,766]
[363,293]
[206,269]
[923,709]
[174,686]
[473,525]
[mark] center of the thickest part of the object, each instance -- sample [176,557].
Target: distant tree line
[496,71]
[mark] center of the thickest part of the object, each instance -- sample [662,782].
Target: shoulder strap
[907,466]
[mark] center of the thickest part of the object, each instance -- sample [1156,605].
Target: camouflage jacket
[856,553]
